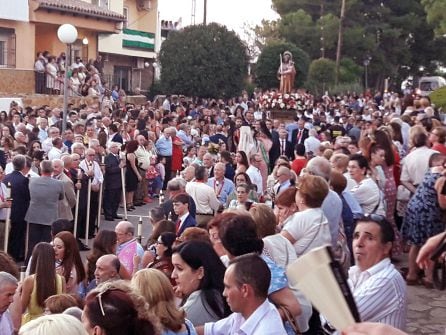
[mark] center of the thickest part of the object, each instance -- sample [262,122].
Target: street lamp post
[67,34]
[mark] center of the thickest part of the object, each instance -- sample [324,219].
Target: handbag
[289,318]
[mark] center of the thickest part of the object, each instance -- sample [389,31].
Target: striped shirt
[380,294]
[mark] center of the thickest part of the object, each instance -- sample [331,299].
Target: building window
[100,3]
[125,12]
[7,47]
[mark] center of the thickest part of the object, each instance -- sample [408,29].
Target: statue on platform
[286,72]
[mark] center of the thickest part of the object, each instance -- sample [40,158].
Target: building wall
[16,81]
[142,20]
[25,32]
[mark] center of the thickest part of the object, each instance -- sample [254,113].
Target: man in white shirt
[311,143]
[378,288]
[254,173]
[246,283]
[204,197]
[8,287]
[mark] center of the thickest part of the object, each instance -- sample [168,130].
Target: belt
[211,214]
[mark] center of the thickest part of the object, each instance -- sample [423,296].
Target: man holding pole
[112,182]
[20,195]
[89,195]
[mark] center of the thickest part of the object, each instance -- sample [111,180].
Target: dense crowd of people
[240,193]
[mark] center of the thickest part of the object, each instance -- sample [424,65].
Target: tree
[436,15]
[204,61]
[321,75]
[269,62]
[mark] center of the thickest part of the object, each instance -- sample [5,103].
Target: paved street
[426,311]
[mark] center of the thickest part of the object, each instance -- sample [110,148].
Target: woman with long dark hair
[42,283]
[198,273]
[68,260]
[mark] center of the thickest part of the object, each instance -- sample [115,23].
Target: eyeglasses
[371,217]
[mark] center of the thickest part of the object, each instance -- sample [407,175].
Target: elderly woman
[366,192]
[285,206]
[437,138]
[308,228]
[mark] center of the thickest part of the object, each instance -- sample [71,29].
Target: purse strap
[289,318]
[314,236]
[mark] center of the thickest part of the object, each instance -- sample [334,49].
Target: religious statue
[286,72]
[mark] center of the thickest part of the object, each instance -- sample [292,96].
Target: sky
[232,13]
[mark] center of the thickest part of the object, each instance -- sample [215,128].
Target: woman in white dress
[51,74]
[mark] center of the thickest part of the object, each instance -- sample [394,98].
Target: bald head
[124,231]
[107,268]
[283,174]
[219,171]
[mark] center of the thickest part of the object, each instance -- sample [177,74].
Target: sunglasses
[371,217]
[99,297]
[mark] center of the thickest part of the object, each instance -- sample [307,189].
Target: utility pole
[205,11]
[339,47]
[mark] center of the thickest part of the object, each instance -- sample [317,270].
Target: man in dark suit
[112,182]
[286,148]
[181,208]
[174,187]
[274,152]
[45,194]
[20,204]
[300,134]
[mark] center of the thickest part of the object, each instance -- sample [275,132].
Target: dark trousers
[112,198]
[168,168]
[37,233]
[40,82]
[16,241]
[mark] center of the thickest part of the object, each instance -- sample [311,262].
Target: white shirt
[380,294]
[369,197]
[6,325]
[309,228]
[415,165]
[54,153]
[264,321]
[312,144]
[204,196]
[256,178]
[98,178]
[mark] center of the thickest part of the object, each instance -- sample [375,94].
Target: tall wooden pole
[340,35]
[205,11]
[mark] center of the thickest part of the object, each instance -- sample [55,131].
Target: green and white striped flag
[138,39]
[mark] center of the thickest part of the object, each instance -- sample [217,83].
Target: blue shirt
[226,189]
[164,146]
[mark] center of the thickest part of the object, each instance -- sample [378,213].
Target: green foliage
[342,88]
[269,62]
[397,34]
[204,61]
[321,75]
[436,15]
[438,97]
[349,71]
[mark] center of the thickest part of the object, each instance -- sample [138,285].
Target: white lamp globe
[67,33]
